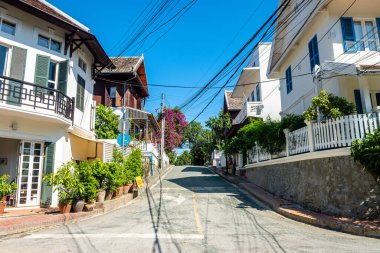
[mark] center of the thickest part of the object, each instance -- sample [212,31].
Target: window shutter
[47,191]
[378,26]
[358,102]
[42,70]
[289,84]
[62,76]
[311,55]
[348,31]
[17,71]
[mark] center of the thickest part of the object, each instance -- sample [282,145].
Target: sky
[197,47]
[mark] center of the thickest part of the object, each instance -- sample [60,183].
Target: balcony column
[146,130]
[364,94]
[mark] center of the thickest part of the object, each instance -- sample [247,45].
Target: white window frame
[56,74]
[364,30]
[50,36]
[80,59]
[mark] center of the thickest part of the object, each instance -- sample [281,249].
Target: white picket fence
[317,136]
[298,141]
[343,131]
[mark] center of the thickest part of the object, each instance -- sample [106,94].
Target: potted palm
[65,182]
[114,181]
[6,189]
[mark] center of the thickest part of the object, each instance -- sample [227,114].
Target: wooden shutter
[119,96]
[81,85]
[62,76]
[42,70]
[17,71]
[358,102]
[289,81]
[348,31]
[47,191]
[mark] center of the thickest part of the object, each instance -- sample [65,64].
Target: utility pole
[162,130]
[124,112]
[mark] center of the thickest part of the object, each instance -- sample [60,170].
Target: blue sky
[190,54]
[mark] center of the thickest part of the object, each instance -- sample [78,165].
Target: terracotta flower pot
[119,192]
[64,208]
[2,207]
[101,196]
[109,195]
[125,189]
[78,206]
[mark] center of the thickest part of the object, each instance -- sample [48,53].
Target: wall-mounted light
[14,126]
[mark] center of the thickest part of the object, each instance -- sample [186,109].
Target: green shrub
[89,181]
[66,182]
[367,152]
[292,122]
[100,172]
[114,177]
[134,163]
[6,188]
[330,107]
[106,123]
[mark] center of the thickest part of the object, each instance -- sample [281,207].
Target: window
[289,82]
[47,42]
[52,77]
[253,96]
[359,34]
[113,96]
[82,64]
[8,27]
[258,92]
[81,85]
[313,53]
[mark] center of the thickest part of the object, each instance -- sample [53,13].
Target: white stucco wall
[330,49]
[28,28]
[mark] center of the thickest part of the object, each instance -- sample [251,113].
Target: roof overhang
[92,43]
[248,78]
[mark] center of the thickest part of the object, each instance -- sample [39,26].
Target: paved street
[191,210]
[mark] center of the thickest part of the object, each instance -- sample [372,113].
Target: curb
[9,227]
[294,212]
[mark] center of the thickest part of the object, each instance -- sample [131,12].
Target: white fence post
[310,135]
[286,132]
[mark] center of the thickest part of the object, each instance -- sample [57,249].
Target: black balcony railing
[19,93]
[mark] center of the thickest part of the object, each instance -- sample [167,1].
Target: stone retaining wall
[334,185]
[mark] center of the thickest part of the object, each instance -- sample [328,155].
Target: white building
[342,37]
[46,88]
[260,95]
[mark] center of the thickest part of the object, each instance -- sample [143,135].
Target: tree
[193,132]
[175,126]
[184,159]
[330,106]
[106,123]
[218,126]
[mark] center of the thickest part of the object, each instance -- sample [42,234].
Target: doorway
[30,173]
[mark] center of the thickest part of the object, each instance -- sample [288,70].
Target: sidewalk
[296,212]
[20,221]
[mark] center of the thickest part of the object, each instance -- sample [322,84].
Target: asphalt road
[190,210]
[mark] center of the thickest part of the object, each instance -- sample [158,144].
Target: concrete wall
[9,151]
[334,185]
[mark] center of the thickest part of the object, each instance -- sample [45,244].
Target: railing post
[286,132]
[72,110]
[310,135]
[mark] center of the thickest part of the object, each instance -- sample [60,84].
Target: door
[30,172]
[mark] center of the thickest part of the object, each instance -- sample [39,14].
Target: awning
[84,149]
[248,78]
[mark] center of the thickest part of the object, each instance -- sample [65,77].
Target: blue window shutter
[378,26]
[358,102]
[311,55]
[348,31]
[316,50]
[289,82]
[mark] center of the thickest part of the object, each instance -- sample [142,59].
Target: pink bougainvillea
[175,125]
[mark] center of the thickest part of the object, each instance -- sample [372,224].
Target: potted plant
[114,180]
[65,182]
[100,171]
[135,165]
[6,189]
[86,187]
